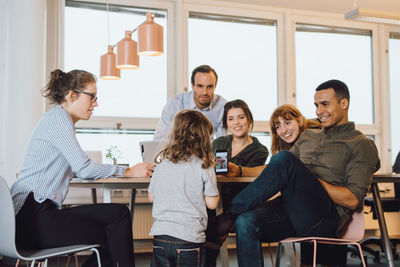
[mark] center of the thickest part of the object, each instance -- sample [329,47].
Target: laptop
[149,149]
[95,155]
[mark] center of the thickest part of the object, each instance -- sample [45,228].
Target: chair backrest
[396,169]
[355,229]
[7,222]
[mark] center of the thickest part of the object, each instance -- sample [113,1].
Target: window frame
[386,148]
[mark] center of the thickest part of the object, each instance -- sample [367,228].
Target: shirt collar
[340,128]
[194,106]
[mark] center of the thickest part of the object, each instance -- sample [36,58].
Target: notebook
[149,149]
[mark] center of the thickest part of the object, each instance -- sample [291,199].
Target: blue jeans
[303,209]
[170,251]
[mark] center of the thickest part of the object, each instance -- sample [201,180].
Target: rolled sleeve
[360,170]
[167,116]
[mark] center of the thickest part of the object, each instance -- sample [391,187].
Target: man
[322,180]
[204,81]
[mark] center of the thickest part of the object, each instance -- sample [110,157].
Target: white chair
[7,232]
[352,234]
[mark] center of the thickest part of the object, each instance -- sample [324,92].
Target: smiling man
[322,179]
[202,98]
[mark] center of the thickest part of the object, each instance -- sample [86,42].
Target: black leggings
[43,225]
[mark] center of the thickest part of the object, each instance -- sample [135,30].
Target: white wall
[2,83]
[22,73]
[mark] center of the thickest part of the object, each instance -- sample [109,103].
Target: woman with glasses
[53,158]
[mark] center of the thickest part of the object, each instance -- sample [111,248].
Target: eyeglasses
[93,97]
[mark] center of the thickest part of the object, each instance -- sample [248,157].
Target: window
[137,97]
[139,93]
[394,66]
[127,141]
[243,52]
[265,139]
[324,53]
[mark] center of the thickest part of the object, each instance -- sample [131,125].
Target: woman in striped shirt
[53,158]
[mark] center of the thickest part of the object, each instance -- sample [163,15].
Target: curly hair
[61,83]
[190,136]
[288,112]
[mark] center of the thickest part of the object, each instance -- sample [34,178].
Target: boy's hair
[190,136]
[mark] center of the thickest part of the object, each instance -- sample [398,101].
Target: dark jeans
[303,209]
[43,225]
[174,252]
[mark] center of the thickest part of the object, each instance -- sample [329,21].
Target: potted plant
[113,153]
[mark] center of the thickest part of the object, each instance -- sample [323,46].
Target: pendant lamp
[150,37]
[108,71]
[127,53]
[151,43]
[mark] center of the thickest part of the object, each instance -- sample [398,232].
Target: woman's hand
[144,169]
[233,170]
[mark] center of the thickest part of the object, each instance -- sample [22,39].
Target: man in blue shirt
[202,98]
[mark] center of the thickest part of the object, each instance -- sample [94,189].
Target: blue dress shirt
[185,100]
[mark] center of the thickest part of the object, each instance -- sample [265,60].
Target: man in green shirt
[322,180]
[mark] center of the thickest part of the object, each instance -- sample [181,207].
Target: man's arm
[340,195]
[165,123]
[219,130]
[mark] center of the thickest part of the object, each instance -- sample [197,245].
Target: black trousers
[43,225]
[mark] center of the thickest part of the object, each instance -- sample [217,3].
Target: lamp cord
[108,24]
[355,4]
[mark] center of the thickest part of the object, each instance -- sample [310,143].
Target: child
[182,186]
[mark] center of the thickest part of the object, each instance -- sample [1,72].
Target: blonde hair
[288,112]
[190,136]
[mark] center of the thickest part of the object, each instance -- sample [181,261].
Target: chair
[389,204]
[353,233]
[7,232]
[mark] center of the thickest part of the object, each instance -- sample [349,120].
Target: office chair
[353,233]
[7,232]
[389,204]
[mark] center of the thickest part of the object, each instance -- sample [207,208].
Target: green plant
[113,153]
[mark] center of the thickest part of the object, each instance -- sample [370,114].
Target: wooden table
[383,178]
[142,183]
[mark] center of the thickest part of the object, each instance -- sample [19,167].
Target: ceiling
[334,6]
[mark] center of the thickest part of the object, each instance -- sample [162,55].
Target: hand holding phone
[221,162]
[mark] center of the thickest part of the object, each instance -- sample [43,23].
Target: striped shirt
[53,158]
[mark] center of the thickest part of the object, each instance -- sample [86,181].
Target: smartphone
[221,162]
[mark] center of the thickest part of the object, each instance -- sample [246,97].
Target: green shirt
[341,156]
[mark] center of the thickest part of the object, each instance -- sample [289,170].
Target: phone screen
[221,162]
